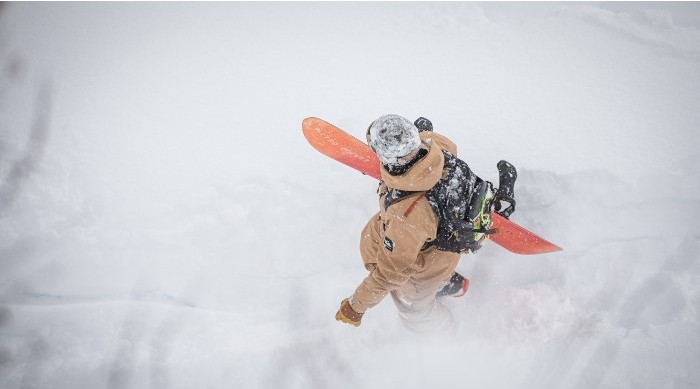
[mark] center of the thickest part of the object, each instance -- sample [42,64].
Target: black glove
[423,124]
[506,182]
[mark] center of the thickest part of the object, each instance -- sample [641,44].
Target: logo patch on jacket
[388,244]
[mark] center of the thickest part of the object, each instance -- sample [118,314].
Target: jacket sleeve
[369,242]
[397,255]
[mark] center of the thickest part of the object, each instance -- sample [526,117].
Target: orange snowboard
[345,148]
[341,146]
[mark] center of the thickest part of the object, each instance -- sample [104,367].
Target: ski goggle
[399,160]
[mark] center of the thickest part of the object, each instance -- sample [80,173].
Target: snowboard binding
[505,193]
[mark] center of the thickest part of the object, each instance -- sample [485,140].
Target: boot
[456,287]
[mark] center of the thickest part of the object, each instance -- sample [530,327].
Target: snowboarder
[432,209]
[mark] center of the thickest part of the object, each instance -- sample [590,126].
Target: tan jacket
[392,240]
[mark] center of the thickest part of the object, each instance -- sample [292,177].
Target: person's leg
[416,301]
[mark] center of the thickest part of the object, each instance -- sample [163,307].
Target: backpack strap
[413,205]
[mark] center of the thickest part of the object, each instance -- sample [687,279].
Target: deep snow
[170,227]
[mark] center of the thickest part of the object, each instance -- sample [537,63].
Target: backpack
[462,203]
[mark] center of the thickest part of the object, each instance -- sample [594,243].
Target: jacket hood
[428,170]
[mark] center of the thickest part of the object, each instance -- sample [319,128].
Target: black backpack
[463,203]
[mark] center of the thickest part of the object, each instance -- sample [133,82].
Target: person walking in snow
[432,208]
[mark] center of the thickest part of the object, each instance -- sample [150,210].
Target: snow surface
[163,223]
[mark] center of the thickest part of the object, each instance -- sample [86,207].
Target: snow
[170,227]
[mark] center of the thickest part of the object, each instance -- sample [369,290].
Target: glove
[348,315]
[423,124]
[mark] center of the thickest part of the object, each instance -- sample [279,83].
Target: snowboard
[348,150]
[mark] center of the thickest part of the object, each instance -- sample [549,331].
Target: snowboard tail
[348,150]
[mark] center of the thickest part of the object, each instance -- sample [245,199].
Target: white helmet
[393,138]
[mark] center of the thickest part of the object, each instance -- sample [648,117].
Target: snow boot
[456,287]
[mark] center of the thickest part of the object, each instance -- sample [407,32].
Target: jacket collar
[423,175]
